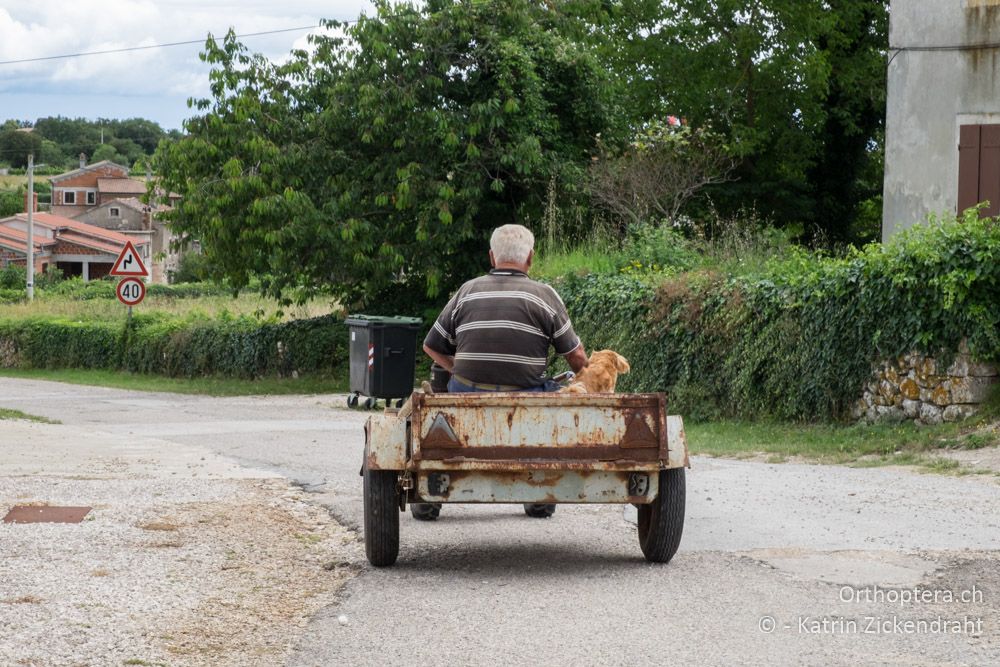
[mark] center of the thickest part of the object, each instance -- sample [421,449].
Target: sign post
[131,290]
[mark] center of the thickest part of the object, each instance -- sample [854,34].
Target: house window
[91,198]
[69,198]
[115,212]
[979,167]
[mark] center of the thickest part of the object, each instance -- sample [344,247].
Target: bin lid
[369,320]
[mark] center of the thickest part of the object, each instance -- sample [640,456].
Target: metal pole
[31,227]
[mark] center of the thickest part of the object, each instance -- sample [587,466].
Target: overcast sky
[152,84]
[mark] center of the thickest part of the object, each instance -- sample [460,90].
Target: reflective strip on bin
[371,357]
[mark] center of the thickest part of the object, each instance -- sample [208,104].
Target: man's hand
[445,361]
[577,359]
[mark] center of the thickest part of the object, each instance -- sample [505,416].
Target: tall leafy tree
[16,145]
[796,85]
[383,159]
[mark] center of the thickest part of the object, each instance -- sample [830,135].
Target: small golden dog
[600,375]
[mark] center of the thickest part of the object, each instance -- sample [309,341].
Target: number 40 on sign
[131,291]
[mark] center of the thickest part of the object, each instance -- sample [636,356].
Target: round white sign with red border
[131,291]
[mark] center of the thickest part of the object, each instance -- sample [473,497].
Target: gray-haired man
[495,332]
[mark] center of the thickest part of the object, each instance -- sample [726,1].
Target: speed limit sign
[131,291]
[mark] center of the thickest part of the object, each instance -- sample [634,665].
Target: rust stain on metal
[544,478]
[45,514]
[638,434]
[441,433]
[593,453]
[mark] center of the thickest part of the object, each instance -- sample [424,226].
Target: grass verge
[6,413]
[861,445]
[208,386]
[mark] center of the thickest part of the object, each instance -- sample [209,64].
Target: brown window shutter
[989,169]
[968,166]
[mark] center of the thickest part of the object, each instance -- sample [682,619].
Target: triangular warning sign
[129,263]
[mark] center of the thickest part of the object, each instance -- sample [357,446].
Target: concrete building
[942,144]
[141,222]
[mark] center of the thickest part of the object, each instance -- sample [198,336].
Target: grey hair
[511,244]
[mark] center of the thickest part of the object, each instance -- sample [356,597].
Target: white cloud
[55,27]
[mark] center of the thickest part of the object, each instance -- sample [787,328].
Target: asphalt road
[780,564]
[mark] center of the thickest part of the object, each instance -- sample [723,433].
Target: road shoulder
[185,558]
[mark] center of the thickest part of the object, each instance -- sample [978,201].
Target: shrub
[241,347]
[193,267]
[12,277]
[798,340]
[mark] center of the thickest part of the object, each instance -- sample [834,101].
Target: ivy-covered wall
[798,340]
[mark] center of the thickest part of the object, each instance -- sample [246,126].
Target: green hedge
[798,340]
[239,347]
[75,288]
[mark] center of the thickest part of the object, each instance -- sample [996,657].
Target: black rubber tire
[425,511]
[352,401]
[400,402]
[381,516]
[539,510]
[661,522]
[369,403]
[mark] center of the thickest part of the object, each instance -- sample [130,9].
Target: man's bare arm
[444,360]
[577,359]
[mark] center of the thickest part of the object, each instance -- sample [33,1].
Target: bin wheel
[369,403]
[381,489]
[539,511]
[399,403]
[425,511]
[661,522]
[352,401]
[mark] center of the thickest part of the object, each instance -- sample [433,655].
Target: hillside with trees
[58,141]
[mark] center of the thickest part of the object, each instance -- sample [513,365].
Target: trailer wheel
[539,510]
[425,511]
[662,521]
[381,516]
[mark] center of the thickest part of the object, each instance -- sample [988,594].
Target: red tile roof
[57,222]
[121,186]
[64,230]
[89,242]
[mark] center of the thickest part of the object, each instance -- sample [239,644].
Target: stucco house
[140,221]
[76,248]
[942,142]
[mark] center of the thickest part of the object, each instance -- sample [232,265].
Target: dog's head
[611,360]
[601,373]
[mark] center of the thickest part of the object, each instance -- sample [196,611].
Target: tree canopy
[384,158]
[58,141]
[798,86]
[380,159]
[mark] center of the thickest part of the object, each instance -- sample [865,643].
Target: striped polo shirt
[499,328]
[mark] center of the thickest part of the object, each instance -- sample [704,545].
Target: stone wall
[918,388]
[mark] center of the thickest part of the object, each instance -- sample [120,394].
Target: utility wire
[952,47]
[157,46]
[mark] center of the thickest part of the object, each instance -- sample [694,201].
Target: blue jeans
[457,387]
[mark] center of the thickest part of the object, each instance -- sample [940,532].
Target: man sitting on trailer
[495,332]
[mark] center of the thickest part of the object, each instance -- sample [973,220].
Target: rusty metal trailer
[530,448]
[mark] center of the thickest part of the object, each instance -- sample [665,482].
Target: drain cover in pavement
[45,514]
